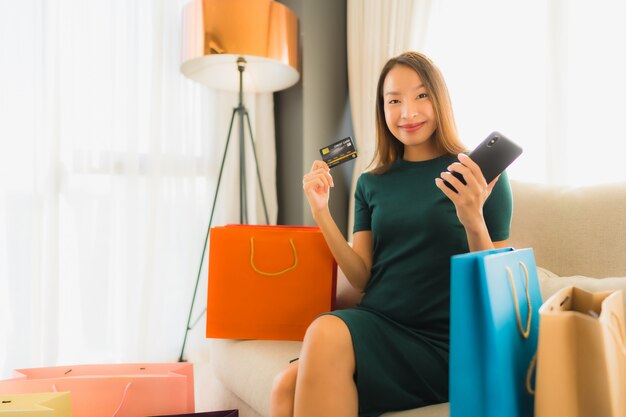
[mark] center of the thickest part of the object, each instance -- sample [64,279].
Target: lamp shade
[216,33]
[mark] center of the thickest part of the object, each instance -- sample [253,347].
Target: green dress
[400,330]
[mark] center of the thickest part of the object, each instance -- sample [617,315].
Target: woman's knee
[330,334]
[328,327]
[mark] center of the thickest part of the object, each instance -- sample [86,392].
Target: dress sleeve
[498,210]
[362,212]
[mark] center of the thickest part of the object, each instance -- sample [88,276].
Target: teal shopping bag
[494,324]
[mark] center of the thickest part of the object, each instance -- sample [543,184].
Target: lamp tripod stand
[242,112]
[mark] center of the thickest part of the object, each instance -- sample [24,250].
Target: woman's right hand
[316,184]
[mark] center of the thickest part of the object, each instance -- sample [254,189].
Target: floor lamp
[242,46]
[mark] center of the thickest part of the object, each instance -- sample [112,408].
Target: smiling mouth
[412,126]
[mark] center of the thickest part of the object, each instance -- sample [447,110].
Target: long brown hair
[388,148]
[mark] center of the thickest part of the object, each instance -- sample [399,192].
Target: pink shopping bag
[114,390]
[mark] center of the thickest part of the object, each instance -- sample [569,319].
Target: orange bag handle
[273,274]
[524,332]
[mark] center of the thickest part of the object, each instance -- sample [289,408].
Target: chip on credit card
[339,152]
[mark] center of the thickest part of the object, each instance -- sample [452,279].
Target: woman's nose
[409,110]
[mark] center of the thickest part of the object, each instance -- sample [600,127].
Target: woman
[390,352]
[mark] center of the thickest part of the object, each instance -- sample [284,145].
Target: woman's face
[409,112]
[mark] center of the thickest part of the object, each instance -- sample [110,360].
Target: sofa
[578,236]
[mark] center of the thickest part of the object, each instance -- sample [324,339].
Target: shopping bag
[49,404]
[494,304]
[120,390]
[581,361]
[267,282]
[225,413]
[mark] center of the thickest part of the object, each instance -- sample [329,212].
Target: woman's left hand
[471,196]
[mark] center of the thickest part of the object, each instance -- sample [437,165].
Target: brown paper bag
[581,361]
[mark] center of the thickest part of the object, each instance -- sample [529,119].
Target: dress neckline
[424,163]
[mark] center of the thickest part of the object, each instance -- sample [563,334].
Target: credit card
[339,152]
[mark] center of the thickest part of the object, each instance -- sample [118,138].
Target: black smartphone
[493,155]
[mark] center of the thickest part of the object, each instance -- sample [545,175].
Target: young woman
[390,352]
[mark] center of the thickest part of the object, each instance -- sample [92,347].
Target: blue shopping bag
[494,325]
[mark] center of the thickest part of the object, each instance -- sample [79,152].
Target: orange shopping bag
[114,390]
[267,282]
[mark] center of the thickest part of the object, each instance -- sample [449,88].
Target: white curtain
[108,169]
[548,74]
[376,31]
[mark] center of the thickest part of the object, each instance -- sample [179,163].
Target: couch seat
[247,368]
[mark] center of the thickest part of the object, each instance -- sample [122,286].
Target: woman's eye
[423,95]
[394,101]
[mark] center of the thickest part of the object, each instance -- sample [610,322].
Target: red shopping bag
[120,390]
[267,282]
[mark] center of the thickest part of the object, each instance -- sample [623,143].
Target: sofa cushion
[248,367]
[573,230]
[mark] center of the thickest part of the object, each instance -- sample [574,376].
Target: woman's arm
[502,244]
[478,237]
[355,261]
